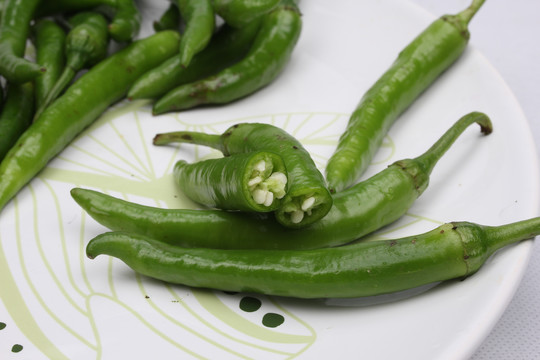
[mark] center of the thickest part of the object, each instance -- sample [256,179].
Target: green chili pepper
[85,45]
[49,42]
[270,52]
[451,251]
[199,18]
[16,115]
[239,13]
[254,181]
[83,102]
[14,30]
[126,22]
[307,200]
[228,45]
[169,20]
[416,67]
[357,211]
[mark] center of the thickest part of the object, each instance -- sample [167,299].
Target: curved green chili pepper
[239,13]
[16,115]
[14,30]
[270,52]
[228,45]
[416,67]
[85,45]
[451,251]
[307,200]
[254,181]
[169,20]
[126,22]
[200,22]
[49,42]
[83,102]
[357,211]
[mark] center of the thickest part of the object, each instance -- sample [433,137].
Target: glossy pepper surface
[451,251]
[239,13]
[49,40]
[267,57]
[200,22]
[307,200]
[254,181]
[416,67]
[356,212]
[14,30]
[85,45]
[16,115]
[78,107]
[228,45]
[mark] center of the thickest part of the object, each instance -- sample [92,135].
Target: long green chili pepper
[270,52]
[228,45]
[169,20]
[84,101]
[452,251]
[239,13]
[14,30]
[254,181]
[307,200]
[86,45]
[49,41]
[126,22]
[416,67]
[199,18]
[16,115]
[357,211]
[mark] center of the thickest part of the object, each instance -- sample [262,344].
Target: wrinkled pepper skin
[357,211]
[270,52]
[417,66]
[223,183]
[451,251]
[14,30]
[78,107]
[229,45]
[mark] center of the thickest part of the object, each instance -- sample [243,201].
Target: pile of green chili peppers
[275,224]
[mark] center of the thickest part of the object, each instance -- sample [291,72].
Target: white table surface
[506,33]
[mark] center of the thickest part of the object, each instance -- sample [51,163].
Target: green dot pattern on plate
[250,304]
[2,325]
[272,320]
[16,348]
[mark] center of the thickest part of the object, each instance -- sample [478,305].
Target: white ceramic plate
[57,304]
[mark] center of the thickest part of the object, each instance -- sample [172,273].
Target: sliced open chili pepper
[254,181]
[307,200]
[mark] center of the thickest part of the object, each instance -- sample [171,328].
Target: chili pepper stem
[500,236]
[467,14]
[190,137]
[429,159]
